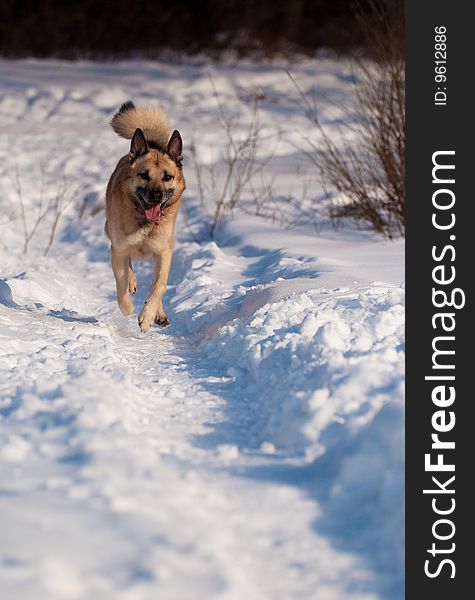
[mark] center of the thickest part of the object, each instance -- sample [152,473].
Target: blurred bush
[365,164]
[121,28]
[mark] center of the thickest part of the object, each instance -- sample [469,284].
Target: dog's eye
[167,176]
[145,175]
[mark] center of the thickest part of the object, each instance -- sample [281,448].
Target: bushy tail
[151,120]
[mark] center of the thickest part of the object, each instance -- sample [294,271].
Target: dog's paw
[132,280]
[146,318]
[162,321]
[126,306]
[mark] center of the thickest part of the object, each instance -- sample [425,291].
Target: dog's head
[155,179]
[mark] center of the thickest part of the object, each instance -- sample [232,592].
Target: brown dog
[142,202]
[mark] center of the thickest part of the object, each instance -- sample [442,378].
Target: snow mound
[322,374]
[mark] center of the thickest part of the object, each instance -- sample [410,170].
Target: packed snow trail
[251,450]
[111,481]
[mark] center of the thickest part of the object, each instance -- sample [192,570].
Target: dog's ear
[138,145]
[175,147]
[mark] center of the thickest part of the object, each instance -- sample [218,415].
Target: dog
[142,202]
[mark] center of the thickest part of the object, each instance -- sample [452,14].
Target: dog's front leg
[120,266]
[153,308]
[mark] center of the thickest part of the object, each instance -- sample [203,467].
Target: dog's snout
[155,195]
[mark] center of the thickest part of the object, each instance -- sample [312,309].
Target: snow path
[115,424]
[252,450]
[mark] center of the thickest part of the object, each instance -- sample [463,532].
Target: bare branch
[367,166]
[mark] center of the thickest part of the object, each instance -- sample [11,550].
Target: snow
[253,449]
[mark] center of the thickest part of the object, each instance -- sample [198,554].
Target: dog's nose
[155,195]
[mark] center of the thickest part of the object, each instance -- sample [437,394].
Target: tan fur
[151,120]
[131,236]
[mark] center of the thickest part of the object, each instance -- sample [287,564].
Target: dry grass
[367,166]
[48,209]
[226,189]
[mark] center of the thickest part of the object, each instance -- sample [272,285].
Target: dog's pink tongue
[153,214]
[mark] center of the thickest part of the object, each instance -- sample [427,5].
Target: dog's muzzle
[149,197]
[152,203]
[155,197]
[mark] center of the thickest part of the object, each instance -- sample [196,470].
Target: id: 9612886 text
[440,65]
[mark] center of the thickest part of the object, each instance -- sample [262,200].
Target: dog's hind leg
[132,279]
[120,266]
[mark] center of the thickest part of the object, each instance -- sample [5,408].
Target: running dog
[142,202]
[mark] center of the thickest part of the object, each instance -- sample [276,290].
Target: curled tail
[151,120]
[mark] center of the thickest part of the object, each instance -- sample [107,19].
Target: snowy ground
[254,449]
